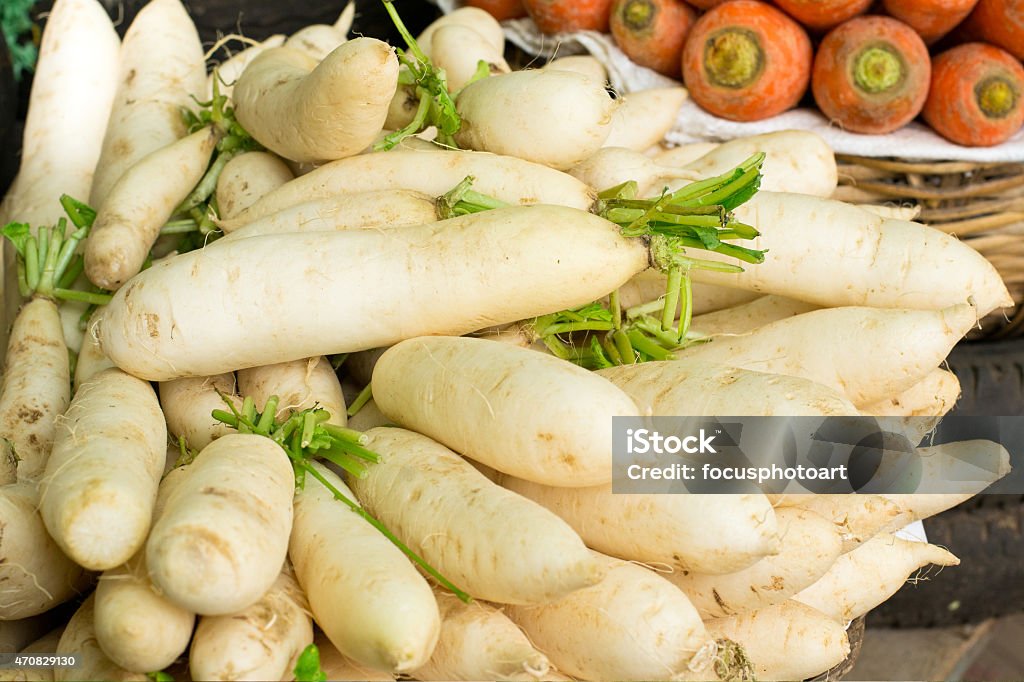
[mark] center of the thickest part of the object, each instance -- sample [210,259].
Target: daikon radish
[788,641]
[968,466]
[300,384]
[584,64]
[445,510]
[100,484]
[91,360]
[311,112]
[471,17]
[712,534]
[747,317]
[222,538]
[810,544]
[46,644]
[390,620]
[895,212]
[479,642]
[858,517]
[79,638]
[650,285]
[524,413]
[862,579]
[319,40]
[161,68]
[183,316]
[684,154]
[35,573]
[246,178]
[261,642]
[611,166]
[368,417]
[227,72]
[459,50]
[337,666]
[557,118]
[633,625]
[899,347]
[695,388]
[932,396]
[188,404]
[643,118]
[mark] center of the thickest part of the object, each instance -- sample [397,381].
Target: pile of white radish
[444,511]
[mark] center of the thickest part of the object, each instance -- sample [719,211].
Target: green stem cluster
[306,436]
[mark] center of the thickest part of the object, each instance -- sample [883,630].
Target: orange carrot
[822,15]
[871,75]
[500,9]
[977,95]
[932,19]
[1000,22]
[706,4]
[556,16]
[652,32]
[746,60]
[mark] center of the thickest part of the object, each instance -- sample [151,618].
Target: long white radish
[712,534]
[934,395]
[100,484]
[748,316]
[584,64]
[896,212]
[475,18]
[79,638]
[36,574]
[140,203]
[299,384]
[917,506]
[222,538]
[447,512]
[77,64]
[788,641]
[862,579]
[835,254]
[227,72]
[381,209]
[316,41]
[611,166]
[688,388]
[810,545]
[137,627]
[897,348]
[643,117]
[524,413]
[650,285]
[633,625]
[557,118]
[968,466]
[36,387]
[678,157]
[433,173]
[91,360]
[478,642]
[246,178]
[368,417]
[390,619]
[858,517]
[262,642]
[311,112]
[161,69]
[459,49]
[337,666]
[188,404]
[183,316]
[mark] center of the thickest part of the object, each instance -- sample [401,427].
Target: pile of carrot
[314,361]
[954,64]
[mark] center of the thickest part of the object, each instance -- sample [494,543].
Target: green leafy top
[307,668]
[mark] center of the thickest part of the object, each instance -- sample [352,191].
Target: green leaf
[708,237]
[307,668]
[18,233]
[160,676]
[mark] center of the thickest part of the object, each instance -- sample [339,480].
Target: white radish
[788,641]
[36,387]
[161,69]
[643,117]
[557,118]
[101,480]
[677,157]
[390,619]
[337,666]
[188,405]
[934,395]
[858,517]
[862,579]
[447,512]
[222,538]
[246,178]
[968,466]
[895,212]
[695,388]
[91,360]
[46,644]
[917,506]
[527,414]
[311,112]
[459,49]
[79,638]
[319,40]
[261,642]
[633,625]
[584,64]
[712,534]
[478,642]
[433,173]
[650,285]
[475,18]
[897,348]
[227,72]
[747,317]
[185,317]
[36,574]
[810,545]
[368,417]
[611,166]
[299,384]
[140,203]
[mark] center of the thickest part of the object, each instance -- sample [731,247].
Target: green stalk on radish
[307,436]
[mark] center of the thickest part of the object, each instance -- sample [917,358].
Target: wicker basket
[982,204]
